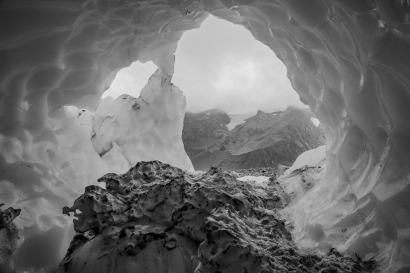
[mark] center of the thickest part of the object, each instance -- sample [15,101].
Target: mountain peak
[260,112]
[264,139]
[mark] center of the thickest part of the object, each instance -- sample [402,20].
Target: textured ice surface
[299,181]
[314,157]
[348,60]
[128,130]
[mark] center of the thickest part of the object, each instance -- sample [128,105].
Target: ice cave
[349,61]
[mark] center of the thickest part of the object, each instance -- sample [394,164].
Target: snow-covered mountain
[237,119]
[264,139]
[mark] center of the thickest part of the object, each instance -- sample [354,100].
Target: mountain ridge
[264,139]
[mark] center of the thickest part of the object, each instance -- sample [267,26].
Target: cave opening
[221,65]
[229,79]
[130,80]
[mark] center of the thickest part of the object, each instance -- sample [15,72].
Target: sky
[220,65]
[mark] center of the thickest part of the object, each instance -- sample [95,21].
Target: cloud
[219,65]
[131,80]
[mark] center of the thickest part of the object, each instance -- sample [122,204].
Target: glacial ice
[129,130]
[348,60]
[314,158]
[118,133]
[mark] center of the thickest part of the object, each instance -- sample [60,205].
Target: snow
[237,119]
[261,181]
[315,121]
[302,183]
[314,157]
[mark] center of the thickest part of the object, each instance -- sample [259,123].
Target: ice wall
[130,130]
[54,54]
[348,60]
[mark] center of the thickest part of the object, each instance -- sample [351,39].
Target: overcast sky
[220,65]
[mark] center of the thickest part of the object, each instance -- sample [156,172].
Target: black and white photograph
[204,136]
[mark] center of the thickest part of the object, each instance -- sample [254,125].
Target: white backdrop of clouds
[131,80]
[220,65]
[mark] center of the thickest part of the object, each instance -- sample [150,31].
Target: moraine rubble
[159,218]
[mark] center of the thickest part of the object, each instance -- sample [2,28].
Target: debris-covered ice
[158,218]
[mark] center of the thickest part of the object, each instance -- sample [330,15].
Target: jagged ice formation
[127,130]
[348,60]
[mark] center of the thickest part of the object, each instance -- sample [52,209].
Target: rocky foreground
[8,237]
[158,218]
[7,216]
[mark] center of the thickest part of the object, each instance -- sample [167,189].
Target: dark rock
[266,139]
[168,219]
[7,216]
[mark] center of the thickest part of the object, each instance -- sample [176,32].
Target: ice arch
[348,60]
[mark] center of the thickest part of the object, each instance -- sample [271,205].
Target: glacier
[348,60]
[128,130]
